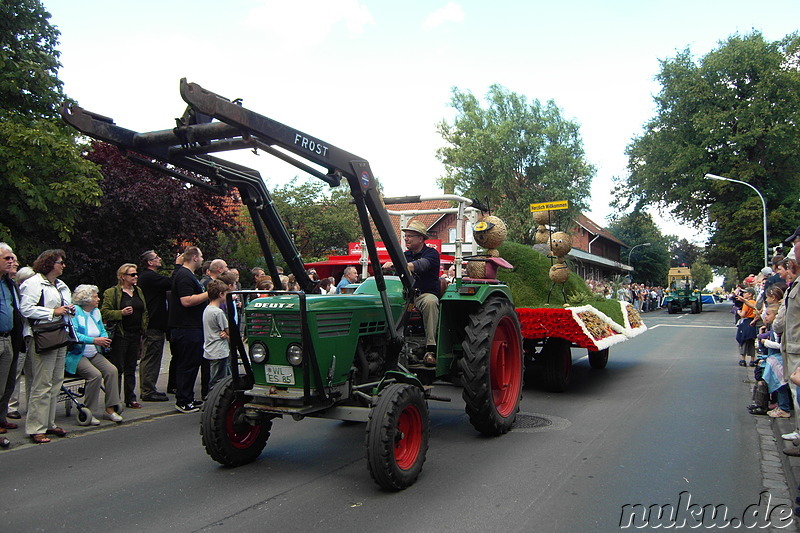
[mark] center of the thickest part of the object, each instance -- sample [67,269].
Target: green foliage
[530,283]
[702,274]
[683,252]
[29,84]
[516,153]
[47,186]
[650,263]
[321,223]
[735,113]
[730,279]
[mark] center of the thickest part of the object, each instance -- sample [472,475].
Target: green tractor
[682,293]
[349,356]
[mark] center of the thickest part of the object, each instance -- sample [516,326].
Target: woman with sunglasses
[125,313]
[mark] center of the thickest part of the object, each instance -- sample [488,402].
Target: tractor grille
[334,324]
[273,325]
[372,327]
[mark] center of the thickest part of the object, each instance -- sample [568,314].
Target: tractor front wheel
[492,367]
[229,436]
[397,436]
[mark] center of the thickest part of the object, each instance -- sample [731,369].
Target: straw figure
[489,233]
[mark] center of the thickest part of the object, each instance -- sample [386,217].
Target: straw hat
[417,227]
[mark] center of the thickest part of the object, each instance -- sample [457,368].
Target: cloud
[310,22]
[452,12]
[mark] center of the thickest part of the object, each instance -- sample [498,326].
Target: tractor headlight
[294,354]
[259,352]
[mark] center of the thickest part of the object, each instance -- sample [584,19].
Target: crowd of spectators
[643,297]
[109,335]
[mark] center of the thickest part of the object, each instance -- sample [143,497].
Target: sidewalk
[19,439]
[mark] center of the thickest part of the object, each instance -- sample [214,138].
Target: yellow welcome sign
[550,206]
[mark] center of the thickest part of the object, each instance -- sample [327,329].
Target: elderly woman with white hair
[87,359]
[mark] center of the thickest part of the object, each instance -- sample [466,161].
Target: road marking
[689,326]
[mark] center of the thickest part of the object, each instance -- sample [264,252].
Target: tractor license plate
[280,374]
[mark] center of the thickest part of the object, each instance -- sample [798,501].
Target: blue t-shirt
[426,269]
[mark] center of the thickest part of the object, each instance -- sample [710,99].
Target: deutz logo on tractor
[272,305]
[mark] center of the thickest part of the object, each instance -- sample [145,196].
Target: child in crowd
[215,332]
[746,331]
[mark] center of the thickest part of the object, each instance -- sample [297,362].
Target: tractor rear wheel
[557,358]
[397,436]
[492,367]
[230,438]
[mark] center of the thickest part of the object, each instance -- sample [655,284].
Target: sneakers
[94,422]
[114,417]
[190,407]
[791,436]
[778,413]
[742,362]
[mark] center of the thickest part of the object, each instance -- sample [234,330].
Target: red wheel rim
[505,370]
[240,434]
[408,438]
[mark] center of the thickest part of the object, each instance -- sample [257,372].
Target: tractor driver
[423,262]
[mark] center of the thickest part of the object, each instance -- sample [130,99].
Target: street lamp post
[763,205]
[635,247]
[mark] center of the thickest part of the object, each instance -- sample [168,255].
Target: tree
[683,252]
[650,263]
[516,153]
[29,86]
[702,274]
[46,184]
[735,113]
[319,222]
[140,210]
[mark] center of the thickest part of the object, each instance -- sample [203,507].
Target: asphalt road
[666,416]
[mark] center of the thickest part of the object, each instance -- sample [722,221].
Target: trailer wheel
[397,436]
[599,359]
[492,367]
[229,437]
[557,359]
[83,416]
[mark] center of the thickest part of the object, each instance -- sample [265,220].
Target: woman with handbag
[87,360]
[46,302]
[124,306]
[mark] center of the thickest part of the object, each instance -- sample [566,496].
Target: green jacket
[111,311]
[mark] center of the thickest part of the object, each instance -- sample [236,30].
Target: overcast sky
[374,77]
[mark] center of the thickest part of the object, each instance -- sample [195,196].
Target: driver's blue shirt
[426,269]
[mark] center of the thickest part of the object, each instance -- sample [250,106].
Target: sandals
[8,425]
[40,438]
[57,431]
[133,405]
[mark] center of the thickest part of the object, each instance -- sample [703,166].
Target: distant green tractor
[682,293]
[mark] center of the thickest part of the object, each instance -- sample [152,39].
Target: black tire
[695,308]
[229,438]
[492,367]
[557,360]
[397,436]
[599,359]
[83,416]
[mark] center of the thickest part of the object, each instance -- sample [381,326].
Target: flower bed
[584,326]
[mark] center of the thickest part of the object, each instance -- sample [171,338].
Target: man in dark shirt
[155,287]
[423,262]
[188,300]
